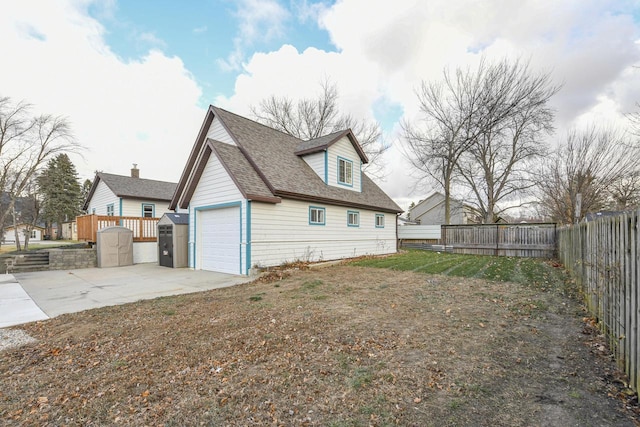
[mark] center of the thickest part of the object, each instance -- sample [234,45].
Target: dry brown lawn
[340,346]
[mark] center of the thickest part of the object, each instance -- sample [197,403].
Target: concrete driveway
[27,297]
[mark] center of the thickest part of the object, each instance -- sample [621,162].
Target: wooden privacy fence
[144,229]
[603,257]
[517,240]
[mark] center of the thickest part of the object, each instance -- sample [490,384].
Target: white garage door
[219,235]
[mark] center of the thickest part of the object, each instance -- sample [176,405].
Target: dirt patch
[341,346]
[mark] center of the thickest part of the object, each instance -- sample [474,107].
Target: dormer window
[345,172]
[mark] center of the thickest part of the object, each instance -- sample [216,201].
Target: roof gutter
[308,198]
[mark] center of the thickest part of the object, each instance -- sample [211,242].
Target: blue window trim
[357,213]
[248,256]
[376,220]
[153,209]
[208,208]
[120,202]
[326,167]
[113,210]
[346,184]
[324,215]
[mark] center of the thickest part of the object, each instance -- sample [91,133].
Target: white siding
[102,197]
[317,162]
[144,252]
[419,232]
[215,190]
[344,149]
[133,207]
[217,132]
[282,233]
[10,235]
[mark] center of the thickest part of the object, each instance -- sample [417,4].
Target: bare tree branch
[26,143]
[310,118]
[600,164]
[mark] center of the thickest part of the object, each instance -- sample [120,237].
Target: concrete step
[29,268]
[31,261]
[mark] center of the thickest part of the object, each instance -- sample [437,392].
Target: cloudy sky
[134,78]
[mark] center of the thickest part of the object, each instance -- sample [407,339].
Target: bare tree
[447,127]
[515,118]
[310,118]
[478,129]
[26,143]
[598,164]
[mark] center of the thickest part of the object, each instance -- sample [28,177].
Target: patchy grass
[536,272]
[340,346]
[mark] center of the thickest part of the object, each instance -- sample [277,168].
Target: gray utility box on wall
[173,240]
[114,247]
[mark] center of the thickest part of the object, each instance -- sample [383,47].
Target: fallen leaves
[368,351]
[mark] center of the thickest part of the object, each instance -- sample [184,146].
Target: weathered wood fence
[517,240]
[603,257]
[144,229]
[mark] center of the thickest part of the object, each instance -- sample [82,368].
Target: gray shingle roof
[324,142]
[178,218]
[317,144]
[133,188]
[245,176]
[264,163]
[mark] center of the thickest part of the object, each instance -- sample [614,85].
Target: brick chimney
[135,172]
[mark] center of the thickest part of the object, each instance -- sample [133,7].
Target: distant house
[69,230]
[593,216]
[260,197]
[132,196]
[35,235]
[430,211]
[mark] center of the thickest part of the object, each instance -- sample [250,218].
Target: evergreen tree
[60,191]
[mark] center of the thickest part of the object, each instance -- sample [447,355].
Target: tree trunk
[15,230]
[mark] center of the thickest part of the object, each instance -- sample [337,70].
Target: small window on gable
[110,210]
[345,171]
[147,210]
[316,216]
[379,220]
[353,219]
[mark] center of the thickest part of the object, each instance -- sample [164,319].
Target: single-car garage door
[219,235]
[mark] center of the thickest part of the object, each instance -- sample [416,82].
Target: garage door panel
[220,240]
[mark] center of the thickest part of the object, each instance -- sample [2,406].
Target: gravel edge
[11,338]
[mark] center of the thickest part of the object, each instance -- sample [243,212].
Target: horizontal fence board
[515,240]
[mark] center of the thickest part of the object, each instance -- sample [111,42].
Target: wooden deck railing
[144,229]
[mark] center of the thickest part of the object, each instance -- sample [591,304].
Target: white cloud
[384,52]
[200,30]
[142,111]
[257,20]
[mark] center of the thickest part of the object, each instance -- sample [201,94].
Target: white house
[131,196]
[430,211]
[259,197]
[35,234]
[119,195]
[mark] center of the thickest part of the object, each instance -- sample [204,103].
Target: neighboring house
[430,211]
[131,197]
[405,221]
[36,233]
[260,197]
[593,216]
[118,195]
